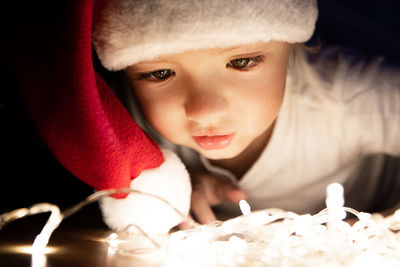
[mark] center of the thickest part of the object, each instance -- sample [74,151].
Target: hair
[299,63]
[300,52]
[315,74]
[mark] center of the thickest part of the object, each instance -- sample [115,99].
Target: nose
[205,106]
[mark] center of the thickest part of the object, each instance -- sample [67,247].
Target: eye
[157,76]
[161,74]
[245,63]
[240,62]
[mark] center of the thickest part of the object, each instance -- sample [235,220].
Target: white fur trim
[170,181]
[131,31]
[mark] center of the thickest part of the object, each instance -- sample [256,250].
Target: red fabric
[48,45]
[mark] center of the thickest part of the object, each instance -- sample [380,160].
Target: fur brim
[133,31]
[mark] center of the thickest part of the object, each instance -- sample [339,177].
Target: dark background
[370,26]
[29,173]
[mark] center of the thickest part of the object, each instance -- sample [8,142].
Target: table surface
[78,241]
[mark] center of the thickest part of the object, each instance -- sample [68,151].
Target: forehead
[259,47]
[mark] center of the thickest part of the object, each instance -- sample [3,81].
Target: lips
[213,142]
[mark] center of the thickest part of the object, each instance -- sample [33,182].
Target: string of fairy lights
[270,237]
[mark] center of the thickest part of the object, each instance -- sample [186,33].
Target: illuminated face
[216,101]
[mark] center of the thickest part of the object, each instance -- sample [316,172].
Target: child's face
[216,101]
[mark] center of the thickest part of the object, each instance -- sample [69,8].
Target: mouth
[213,142]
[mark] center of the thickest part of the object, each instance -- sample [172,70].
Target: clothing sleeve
[371,98]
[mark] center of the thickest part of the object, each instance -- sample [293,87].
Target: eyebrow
[229,49]
[256,48]
[241,48]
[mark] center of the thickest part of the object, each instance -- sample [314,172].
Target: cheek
[163,113]
[264,98]
[264,111]
[274,94]
[274,87]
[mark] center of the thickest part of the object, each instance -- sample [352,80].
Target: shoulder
[368,91]
[351,78]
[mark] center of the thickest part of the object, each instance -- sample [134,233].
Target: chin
[217,154]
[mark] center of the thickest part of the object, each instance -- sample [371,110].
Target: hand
[209,191]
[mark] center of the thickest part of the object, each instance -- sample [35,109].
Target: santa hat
[130,31]
[48,46]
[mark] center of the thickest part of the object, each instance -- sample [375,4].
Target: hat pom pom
[169,182]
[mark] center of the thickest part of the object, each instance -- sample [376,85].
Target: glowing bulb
[244,207]
[362,216]
[38,259]
[52,223]
[335,201]
[113,241]
[334,195]
[40,244]
[237,242]
[397,215]
[259,218]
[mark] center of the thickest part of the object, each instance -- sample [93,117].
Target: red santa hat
[49,49]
